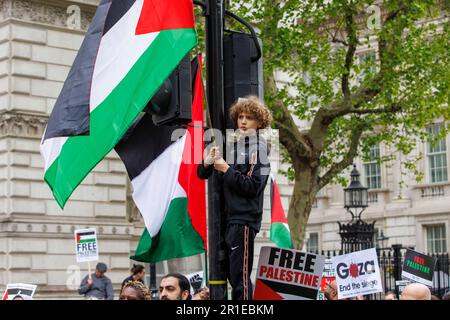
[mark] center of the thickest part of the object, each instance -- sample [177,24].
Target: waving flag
[131,47]
[166,189]
[279,228]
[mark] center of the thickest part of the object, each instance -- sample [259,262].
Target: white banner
[86,246]
[357,273]
[19,290]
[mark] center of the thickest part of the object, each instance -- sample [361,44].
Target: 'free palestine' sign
[86,246]
[418,267]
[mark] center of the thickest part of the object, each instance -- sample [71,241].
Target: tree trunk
[302,200]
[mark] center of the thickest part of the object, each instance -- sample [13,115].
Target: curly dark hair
[253,106]
[142,290]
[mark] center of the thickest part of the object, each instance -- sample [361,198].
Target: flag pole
[208,116]
[89,270]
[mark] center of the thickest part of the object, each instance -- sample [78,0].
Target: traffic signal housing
[171,104]
[243,74]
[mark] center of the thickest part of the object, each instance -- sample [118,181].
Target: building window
[313,242]
[436,238]
[367,64]
[437,155]
[372,168]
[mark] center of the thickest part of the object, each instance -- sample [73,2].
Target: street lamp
[355,196]
[356,235]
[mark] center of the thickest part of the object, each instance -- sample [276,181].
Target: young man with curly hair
[244,178]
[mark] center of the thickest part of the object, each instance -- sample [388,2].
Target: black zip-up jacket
[243,193]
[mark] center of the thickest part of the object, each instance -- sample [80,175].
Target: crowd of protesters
[175,286]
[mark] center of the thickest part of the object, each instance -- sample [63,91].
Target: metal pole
[214,84]
[397,264]
[153,278]
[151,270]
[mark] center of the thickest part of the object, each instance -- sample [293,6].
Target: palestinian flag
[131,47]
[86,237]
[166,189]
[279,228]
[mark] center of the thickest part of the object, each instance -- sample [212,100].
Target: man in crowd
[416,291]
[97,286]
[174,286]
[331,291]
[390,295]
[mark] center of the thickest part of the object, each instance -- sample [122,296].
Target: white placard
[24,290]
[86,246]
[357,273]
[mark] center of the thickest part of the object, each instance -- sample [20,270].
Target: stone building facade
[410,213]
[39,40]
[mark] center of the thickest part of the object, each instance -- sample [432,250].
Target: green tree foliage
[351,102]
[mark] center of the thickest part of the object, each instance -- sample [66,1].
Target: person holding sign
[244,178]
[97,286]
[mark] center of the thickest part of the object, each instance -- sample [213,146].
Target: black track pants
[240,241]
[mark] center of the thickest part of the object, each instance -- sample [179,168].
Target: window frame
[443,239]
[430,154]
[362,58]
[373,161]
[318,241]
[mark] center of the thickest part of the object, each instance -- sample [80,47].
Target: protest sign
[196,280]
[86,246]
[401,285]
[16,290]
[328,276]
[285,274]
[357,273]
[418,267]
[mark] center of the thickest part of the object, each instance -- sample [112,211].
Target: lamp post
[356,235]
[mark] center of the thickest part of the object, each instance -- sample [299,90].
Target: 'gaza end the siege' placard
[357,273]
